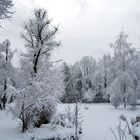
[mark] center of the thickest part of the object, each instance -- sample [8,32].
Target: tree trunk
[4,99]
[36,61]
[24,126]
[124,99]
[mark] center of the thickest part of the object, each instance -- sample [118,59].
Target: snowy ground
[97,120]
[9,129]
[99,117]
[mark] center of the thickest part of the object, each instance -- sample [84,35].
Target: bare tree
[87,65]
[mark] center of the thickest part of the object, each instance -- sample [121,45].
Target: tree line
[114,78]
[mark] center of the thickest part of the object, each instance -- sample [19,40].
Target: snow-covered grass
[97,118]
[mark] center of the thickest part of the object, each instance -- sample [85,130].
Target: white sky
[87,27]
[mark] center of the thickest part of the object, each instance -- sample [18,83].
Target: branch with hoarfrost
[5,9]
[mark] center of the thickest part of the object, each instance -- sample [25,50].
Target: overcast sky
[87,27]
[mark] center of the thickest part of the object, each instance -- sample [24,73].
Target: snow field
[97,118]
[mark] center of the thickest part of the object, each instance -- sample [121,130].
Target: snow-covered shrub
[35,104]
[29,104]
[71,118]
[115,100]
[59,119]
[66,119]
[88,96]
[136,127]
[133,121]
[115,96]
[24,108]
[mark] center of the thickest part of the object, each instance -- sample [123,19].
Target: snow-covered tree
[98,81]
[106,75]
[101,79]
[41,82]
[5,9]
[87,65]
[107,72]
[134,68]
[69,84]
[39,36]
[79,88]
[7,73]
[123,56]
[77,77]
[82,72]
